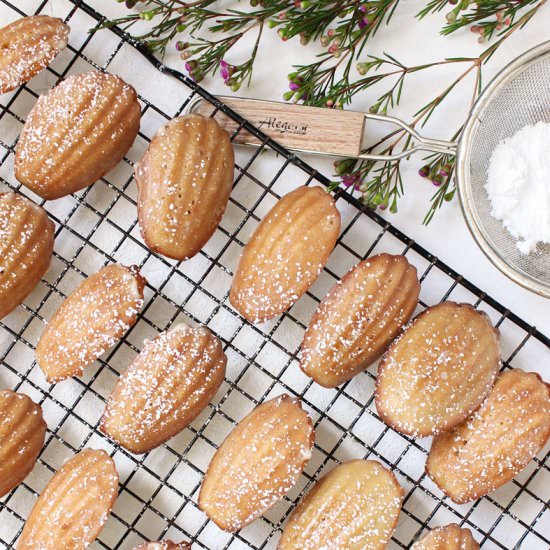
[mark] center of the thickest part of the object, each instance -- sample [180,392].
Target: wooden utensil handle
[316,129]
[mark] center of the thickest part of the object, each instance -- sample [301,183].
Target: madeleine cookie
[74,506]
[496,442]
[90,320]
[258,463]
[285,254]
[164,545]
[184,181]
[355,506]
[358,319]
[438,371]
[27,46]
[449,537]
[22,433]
[170,382]
[76,133]
[26,247]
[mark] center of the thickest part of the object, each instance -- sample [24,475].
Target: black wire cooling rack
[158,491]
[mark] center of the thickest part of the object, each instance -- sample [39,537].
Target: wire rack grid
[158,491]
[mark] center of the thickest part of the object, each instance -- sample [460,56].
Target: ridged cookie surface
[27,46]
[90,320]
[496,442]
[355,506]
[170,382]
[449,537]
[164,545]
[76,133]
[285,254]
[26,246]
[358,319]
[22,432]
[259,461]
[74,506]
[438,371]
[184,181]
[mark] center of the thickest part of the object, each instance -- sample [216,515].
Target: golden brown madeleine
[448,537]
[170,382]
[164,545]
[438,371]
[90,320]
[26,246]
[27,46]
[22,433]
[285,254]
[76,133]
[358,319]
[355,506]
[74,506]
[496,442]
[184,182]
[258,463]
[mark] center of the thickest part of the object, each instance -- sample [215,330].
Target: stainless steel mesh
[519,96]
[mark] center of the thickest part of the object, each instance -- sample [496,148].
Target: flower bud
[362,68]
[147,15]
[287,96]
[424,171]
[451,17]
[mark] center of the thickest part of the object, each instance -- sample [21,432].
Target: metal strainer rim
[463,180]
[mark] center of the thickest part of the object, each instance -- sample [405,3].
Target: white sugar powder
[519,185]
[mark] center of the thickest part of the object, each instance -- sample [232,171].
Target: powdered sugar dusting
[258,463]
[184,181]
[174,377]
[439,370]
[356,505]
[497,441]
[90,321]
[27,46]
[285,254]
[75,133]
[75,504]
[22,432]
[26,245]
[358,319]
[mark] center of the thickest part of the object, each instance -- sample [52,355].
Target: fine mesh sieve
[519,95]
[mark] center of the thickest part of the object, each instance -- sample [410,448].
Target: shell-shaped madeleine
[22,433]
[285,254]
[27,46]
[355,506]
[76,133]
[90,320]
[438,371]
[496,442]
[170,382]
[448,537]
[184,182]
[257,464]
[74,506]
[358,319]
[164,545]
[26,246]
